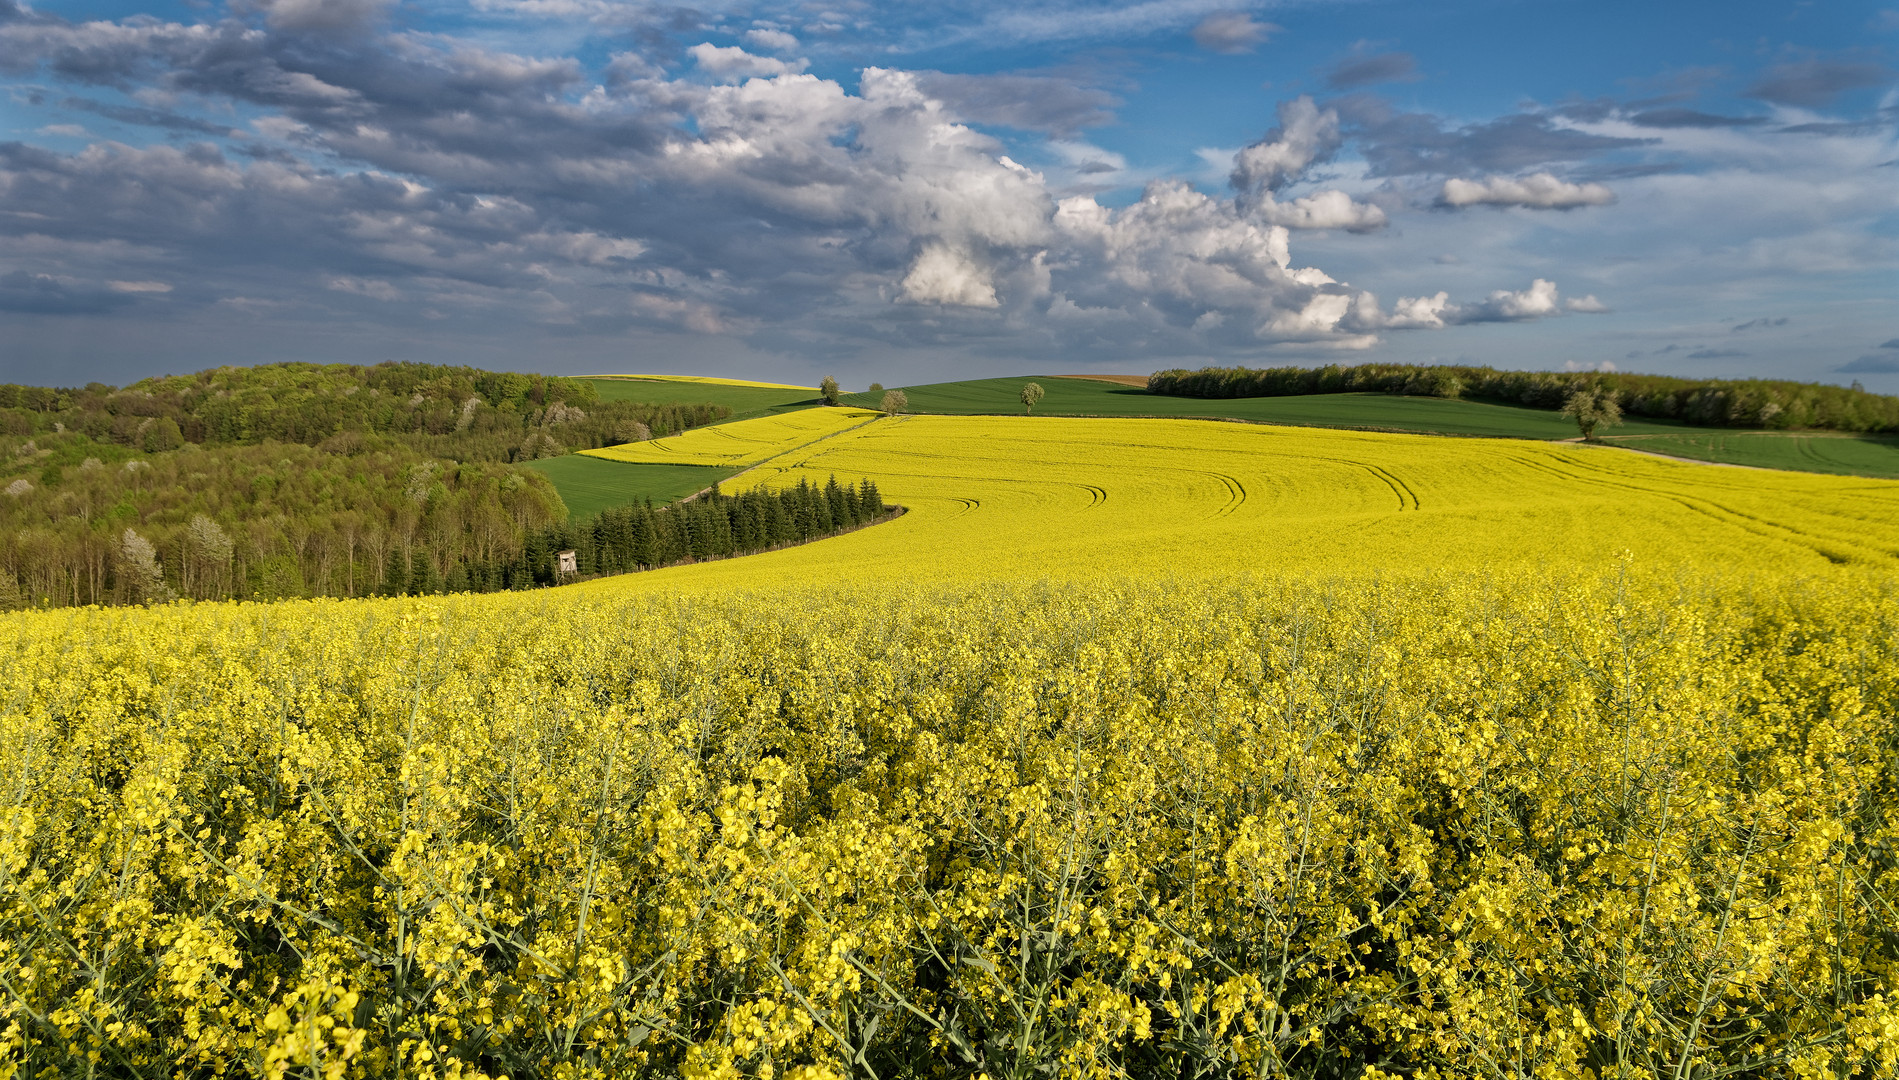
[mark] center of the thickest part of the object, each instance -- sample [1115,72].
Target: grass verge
[589,485]
[1378,412]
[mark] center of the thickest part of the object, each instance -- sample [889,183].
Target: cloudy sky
[907,192]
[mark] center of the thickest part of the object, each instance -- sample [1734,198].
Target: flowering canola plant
[742,442]
[1027,498]
[1349,789]
[708,380]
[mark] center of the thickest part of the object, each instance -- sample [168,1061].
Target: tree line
[292,480]
[712,526]
[1750,403]
[454,413]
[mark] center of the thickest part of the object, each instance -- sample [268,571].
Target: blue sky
[910,192]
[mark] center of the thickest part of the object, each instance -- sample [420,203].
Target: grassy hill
[589,484]
[746,400]
[1847,455]
[1380,412]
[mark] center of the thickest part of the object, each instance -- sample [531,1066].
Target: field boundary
[793,450]
[892,511]
[1243,420]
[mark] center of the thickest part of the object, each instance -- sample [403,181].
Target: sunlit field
[1135,749]
[741,443]
[707,380]
[1024,498]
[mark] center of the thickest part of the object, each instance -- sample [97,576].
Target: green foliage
[589,484]
[1851,455]
[310,474]
[710,526]
[828,390]
[1769,403]
[1031,393]
[1592,407]
[458,413]
[1370,411]
[265,521]
[894,402]
[745,401]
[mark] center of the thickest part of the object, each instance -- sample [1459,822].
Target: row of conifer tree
[643,537]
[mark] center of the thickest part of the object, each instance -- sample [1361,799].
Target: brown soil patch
[1138,381]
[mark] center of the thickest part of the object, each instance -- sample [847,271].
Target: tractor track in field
[1407,499]
[1827,547]
[1235,494]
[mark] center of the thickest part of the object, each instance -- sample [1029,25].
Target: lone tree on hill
[895,401]
[1031,393]
[1592,408]
[875,388]
[828,390]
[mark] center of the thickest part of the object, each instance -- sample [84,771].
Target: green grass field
[745,402]
[1087,397]
[589,485]
[1849,455]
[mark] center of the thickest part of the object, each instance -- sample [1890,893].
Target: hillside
[1075,498]
[296,480]
[1133,741]
[1363,411]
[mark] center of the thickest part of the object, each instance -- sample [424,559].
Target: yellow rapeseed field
[1636,825]
[740,443]
[711,381]
[1136,749]
[1033,497]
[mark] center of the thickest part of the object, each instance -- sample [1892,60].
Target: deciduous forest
[1750,403]
[290,479]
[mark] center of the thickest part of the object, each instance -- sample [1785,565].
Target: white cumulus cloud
[1538,191]
[944,275]
[766,39]
[1323,210]
[731,61]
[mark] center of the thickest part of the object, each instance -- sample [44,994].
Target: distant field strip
[709,381]
[742,443]
[1054,497]
[1851,455]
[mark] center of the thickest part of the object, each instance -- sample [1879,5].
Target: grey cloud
[1691,118]
[1716,354]
[1409,144]
[1357,71]
[1231,32]
[1760,324]
[1306,136]
[1871,364]
[1055,106]
[322,16]
[516,191]
[143,117]
[1812,83]
[1842,127]
[44,294]
[1893,344]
